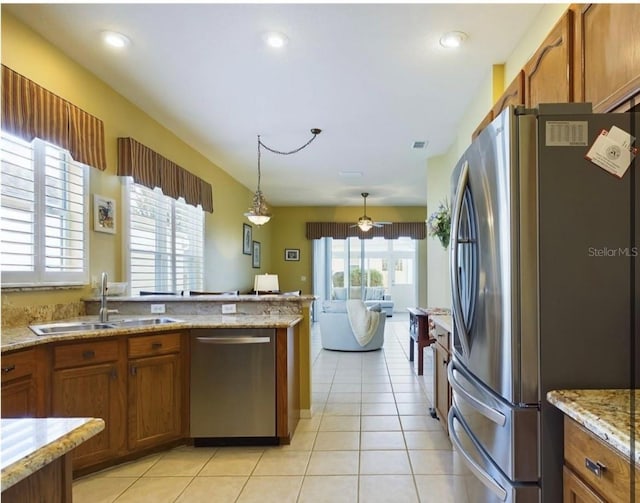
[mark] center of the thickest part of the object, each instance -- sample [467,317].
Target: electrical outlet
[158,309]
[228,308]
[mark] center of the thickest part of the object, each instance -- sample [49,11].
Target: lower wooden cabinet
[594,471]
[575,490]
[442,390]
[89,381]
[19,384]
[155,401]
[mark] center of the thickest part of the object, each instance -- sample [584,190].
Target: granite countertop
[279,297]
[444,320]
[604,412]
[23,337]
[29,444]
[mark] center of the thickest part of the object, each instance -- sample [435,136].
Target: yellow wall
[439,168]
[226,267]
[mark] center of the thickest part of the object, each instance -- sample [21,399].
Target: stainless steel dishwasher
[233,386]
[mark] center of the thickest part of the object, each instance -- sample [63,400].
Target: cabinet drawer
[151,345]
[85,353]
[582,449]
[19,364]
[441,336]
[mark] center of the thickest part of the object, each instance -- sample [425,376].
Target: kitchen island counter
[606,413]
[31,445]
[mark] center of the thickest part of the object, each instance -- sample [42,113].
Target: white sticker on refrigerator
[567,133]
[612,151]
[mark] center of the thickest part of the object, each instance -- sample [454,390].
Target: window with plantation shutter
[44,225]
[165,242]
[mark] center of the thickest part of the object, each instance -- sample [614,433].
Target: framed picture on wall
[256,255]
[291,254]
[104,214]
[247,239]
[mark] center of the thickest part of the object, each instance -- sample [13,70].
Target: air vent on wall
[419,144]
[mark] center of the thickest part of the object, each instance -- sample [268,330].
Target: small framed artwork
[247,238]
[256,255]
[104,214]
[291,254]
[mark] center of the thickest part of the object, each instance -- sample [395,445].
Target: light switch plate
[158,309]
[228,308]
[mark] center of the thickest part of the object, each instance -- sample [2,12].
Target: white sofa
[372,295]
[336,332]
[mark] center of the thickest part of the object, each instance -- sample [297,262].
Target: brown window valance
[150,169]
[344,230]
[30,111]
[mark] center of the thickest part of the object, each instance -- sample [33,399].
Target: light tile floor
[370,439]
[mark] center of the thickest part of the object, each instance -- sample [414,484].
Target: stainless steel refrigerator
[545,277]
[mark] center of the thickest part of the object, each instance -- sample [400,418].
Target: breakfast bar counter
[35,456]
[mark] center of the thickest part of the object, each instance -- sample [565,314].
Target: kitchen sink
[143,322]
[85,326]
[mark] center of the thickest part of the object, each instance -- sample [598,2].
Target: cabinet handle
[88,354]
[133,370]
[6,370]
[596,467]
[156,345]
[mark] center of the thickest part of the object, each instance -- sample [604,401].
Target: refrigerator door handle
[477,470]
[458,317]
[487,411]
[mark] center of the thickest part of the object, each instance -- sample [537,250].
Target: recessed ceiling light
[453,39]
[275,39]
[115,39]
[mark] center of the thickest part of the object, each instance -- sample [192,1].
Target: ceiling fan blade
[384,223]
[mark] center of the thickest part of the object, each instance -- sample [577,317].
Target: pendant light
[258,213]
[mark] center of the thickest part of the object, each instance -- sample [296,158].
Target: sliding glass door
[371,269]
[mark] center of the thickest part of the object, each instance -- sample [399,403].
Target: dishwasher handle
[242,339]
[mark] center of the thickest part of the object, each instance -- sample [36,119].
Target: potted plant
[439,223]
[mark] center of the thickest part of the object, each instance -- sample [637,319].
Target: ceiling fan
[365,222]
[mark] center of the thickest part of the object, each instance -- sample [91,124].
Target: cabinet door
[549,73]
[442,398]
[155,400]
[576,491]
[513,95]
[92,391]
[19,391]
[609,52]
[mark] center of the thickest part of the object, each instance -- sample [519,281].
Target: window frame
[39,276]
[127,183]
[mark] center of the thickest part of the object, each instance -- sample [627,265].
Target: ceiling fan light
[365,224]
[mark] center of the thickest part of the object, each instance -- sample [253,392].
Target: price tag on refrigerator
[612,151]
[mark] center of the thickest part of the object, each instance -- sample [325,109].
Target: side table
[418,333]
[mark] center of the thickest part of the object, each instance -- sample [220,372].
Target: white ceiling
[373,77]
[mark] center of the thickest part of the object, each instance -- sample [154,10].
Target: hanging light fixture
[258,213]
[364,222]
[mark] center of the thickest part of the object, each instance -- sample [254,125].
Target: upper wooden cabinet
[549,73]
[513,95]
[608,54]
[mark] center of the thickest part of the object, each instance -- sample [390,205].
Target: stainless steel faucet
[104,312]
